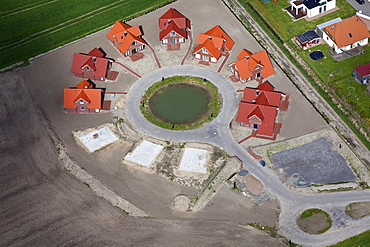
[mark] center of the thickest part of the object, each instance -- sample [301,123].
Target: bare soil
[314,224]
[42,205]
[358,209]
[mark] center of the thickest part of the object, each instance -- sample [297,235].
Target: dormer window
[350,35]
[257,92]
[332,28]
[172,34]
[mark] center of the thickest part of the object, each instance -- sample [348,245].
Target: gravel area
[316,162]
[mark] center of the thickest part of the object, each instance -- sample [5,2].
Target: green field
[358,240]
[283,23]
[30,27]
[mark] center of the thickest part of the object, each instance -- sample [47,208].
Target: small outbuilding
[362,73]
[308,39]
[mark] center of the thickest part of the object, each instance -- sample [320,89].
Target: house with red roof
[362,73]
[212,44]
[127,39]
[346,34]
[92,66]
[251,66]
[173,29]
[84,98]
[259,108]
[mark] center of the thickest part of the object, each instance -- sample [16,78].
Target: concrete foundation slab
[98,139]
[194,160]
[145,153]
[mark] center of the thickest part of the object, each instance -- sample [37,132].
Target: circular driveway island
[206,133]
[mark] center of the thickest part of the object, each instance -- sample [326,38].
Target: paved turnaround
[217,133]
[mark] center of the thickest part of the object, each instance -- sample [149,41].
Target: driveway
[364,7]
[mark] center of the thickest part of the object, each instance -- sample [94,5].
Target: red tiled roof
[267,115]
[170,28]
[96,53]
[248,62]
[363,70]
[348,31]
[175,16]
[100,66]
[266,86]
[92,96]
[253,95]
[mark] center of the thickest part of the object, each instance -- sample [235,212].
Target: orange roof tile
[347,32]
[92,96]
[84,85]
[244,53]
[209,46]
[217,31]
[125,35]
[248,62]
[175,16]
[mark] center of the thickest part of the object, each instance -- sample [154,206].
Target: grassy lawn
[283,23]
[338,75]
[358,240]
[39,31]
[280,27]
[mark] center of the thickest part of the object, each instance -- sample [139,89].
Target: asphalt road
[217,132]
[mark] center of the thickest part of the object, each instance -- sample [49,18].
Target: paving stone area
[316,162]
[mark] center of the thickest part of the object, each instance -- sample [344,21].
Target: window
[350,35]
[127,53]
[172,34]
[82,102]
[87,68]
[141,47]
[173,41]
[133,43]
[82,108]
[204,50]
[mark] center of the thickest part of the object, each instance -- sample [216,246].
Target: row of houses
[257,110]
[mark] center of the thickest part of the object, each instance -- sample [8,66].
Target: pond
[180,103]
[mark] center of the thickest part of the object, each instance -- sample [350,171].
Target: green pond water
[180,103]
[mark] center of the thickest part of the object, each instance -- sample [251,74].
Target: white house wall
[316,11]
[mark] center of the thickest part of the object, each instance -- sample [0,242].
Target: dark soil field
[42,205]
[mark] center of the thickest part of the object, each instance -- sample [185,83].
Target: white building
[311,8]
[346,35]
